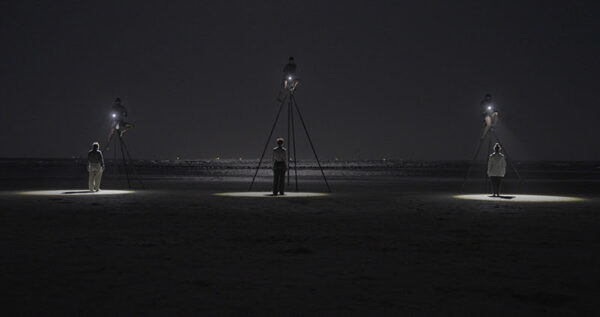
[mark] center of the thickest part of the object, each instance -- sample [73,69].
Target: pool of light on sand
[519,198]
[76,192]
[270,195]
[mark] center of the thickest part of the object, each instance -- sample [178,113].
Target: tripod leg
[267,143]
[471,163]
[294,142]
[288,140]
[488,185]
[512,166]
[108,143]
[310,141]
[115,158]
[139,179]
[124,161]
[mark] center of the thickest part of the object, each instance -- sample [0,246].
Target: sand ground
[374,247]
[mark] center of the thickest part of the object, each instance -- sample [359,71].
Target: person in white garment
[490,115]
[95,167]
[496,169]
[280,166]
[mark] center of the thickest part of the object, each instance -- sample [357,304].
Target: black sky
[380,79]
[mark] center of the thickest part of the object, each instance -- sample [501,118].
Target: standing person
[490,115]
[496,169]
[290,81]
[119,115]
[95,167]
[280,166]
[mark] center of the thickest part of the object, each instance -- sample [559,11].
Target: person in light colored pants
[496,169]
[95,167]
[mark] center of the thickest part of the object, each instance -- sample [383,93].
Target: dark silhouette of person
[290,81]
[119,115]
[490,115]
[280,166]
[496,169]
[95,167]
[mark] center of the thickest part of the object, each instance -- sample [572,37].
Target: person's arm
[101,159]
[273,160]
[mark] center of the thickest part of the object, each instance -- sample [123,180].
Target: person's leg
[498,186]
[275,181]
[494,119]
[282,182]
[282,90]
[98,179]
[488,124]
[91,179]
[126,126]
[295,85]
[495,185]
[110,135]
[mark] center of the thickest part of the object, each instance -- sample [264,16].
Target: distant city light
[270,195]
[519,198]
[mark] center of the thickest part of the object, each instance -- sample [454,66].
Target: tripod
[125,156]
[291,105]
[490,136]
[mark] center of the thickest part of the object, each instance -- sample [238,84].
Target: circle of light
[76,192]
[270,195]
[520,198]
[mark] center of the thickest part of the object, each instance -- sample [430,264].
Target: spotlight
[114,115]
[289,77]
[489,107]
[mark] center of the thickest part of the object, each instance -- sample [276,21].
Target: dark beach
[391,239]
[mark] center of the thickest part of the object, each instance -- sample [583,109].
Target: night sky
[379,79]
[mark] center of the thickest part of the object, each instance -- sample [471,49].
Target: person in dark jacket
[490,115]
[290,81]
[95,167]
[280,166]
[119,117]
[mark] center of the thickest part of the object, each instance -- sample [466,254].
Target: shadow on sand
[503,197]
[77,192]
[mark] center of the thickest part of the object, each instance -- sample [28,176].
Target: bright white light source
[519,198]
[270,195]
[290,78]
[114,115]
[489,107]
[75,192]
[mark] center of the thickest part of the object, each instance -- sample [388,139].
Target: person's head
[95,146]
[280,141]
[291,60]
[497,148]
